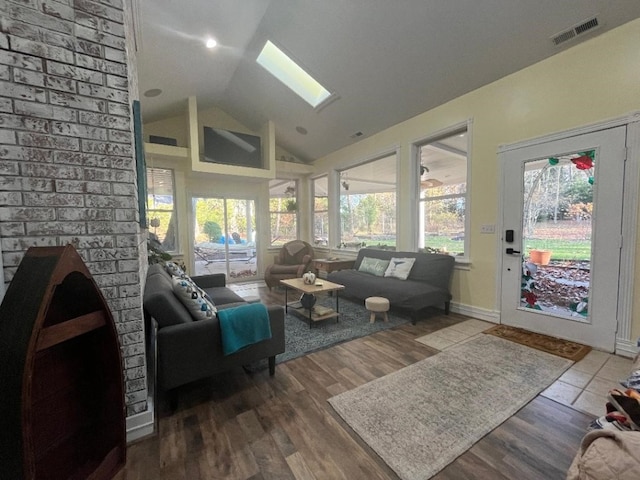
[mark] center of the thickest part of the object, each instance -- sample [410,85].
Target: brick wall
[67,165]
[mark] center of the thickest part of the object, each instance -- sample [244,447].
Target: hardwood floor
[251,426]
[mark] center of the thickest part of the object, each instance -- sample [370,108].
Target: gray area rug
[421,418]
[354,323]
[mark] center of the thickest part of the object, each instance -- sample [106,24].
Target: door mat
[556,346]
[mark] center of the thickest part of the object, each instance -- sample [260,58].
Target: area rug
[563,348]
[300,339]
[422,417]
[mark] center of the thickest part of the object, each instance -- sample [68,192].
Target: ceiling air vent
[356,135]
[576,30]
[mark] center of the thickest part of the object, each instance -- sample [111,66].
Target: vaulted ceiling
[386,61]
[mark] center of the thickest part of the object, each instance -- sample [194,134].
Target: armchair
[292,261]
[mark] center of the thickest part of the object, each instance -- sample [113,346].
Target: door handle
[511,251]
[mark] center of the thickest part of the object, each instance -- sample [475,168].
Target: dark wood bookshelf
[61,373]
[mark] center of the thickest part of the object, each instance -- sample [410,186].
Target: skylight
[292,75]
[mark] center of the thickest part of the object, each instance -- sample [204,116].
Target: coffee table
[314,314]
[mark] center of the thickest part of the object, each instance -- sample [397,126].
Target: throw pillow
[173,269]
[399,268]
[191,297]
[374,266]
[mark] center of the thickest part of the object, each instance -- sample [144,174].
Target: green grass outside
[562,249]
[579,250]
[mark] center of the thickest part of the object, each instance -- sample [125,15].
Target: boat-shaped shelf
[61,373]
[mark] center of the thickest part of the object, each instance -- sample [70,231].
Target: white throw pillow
[399,267]
[191,297]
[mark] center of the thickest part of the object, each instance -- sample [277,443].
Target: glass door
[225,237]
[562,214]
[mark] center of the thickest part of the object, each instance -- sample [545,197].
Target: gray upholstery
[189,350]
[293,260]
[428,283]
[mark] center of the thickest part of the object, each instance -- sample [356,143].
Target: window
[321,211]
[443,194]
[161,207]
[368,205]
[283,211]
[278,64]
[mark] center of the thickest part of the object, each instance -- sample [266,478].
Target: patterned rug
[422,417]
[563,348]
[300,339]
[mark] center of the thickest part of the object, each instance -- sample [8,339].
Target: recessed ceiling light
[301,130]
[211,43]
[154,92]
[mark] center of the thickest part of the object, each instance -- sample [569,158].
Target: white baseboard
[626,348]
[492,316]
[140,425]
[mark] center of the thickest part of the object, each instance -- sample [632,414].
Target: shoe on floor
[607,422]
[628,405]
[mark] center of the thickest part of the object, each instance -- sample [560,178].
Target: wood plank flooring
[251,426]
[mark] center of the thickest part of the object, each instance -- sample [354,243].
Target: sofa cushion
[161,303]
[174,269]
[192,297]
[399,267]
[223,295]
[374,266]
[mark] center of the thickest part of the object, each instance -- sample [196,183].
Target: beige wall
[589,83]
[594,81]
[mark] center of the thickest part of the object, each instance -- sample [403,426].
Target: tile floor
[583,387]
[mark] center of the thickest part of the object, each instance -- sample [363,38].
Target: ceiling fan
[428,182]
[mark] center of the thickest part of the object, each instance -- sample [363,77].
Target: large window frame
[283,211]
[367,211]
[162,212]
[320,211]
[443,172]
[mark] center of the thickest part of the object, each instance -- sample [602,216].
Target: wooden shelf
[325,314]
[64,331]
[62,381]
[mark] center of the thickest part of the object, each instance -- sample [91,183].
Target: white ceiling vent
[356,135]
[576,30]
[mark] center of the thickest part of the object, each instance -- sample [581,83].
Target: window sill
[462,263]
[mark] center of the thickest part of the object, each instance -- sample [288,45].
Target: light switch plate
[488,228]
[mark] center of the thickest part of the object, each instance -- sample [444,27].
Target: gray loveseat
[427,285]
[188,349]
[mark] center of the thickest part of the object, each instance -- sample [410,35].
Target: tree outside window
[368,205]
[443,194]
[321,211]
[283,211]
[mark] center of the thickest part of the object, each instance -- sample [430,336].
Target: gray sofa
[427,285]
[189,350]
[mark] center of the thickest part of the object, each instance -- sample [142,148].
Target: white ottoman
[377,305]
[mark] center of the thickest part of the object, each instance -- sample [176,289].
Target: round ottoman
[377,305]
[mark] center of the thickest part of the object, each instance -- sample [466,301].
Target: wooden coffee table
[315,314]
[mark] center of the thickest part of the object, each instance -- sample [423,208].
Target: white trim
[573,132]
[467,126]
[141,424]
[629,232]
[626,348]
[492,316]
[623,345]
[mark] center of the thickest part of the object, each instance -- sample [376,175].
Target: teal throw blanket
[243,326]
